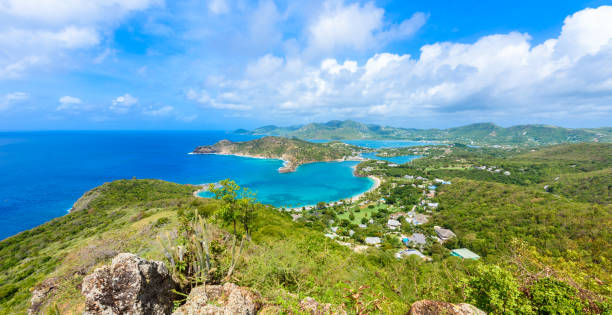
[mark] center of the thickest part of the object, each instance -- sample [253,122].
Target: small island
[294,152]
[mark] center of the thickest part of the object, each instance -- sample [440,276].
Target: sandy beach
[377,182]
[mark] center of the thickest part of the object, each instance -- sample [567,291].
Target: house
[407,252]
[432,187]
[363,226]
[393,224]
[420,219]
[334,229]
[416,239]
[397,215]
[332,236]
[506,173]
[408,177]
[393,165]
[431,194]
[432,204]
[464,253]
[441,181]
[372,240]
[444,234]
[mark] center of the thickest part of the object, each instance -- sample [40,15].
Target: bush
[495,291]
[551,296]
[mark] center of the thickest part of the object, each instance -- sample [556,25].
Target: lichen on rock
[129,285]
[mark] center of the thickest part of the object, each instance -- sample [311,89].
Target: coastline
[287,166]
[377,181]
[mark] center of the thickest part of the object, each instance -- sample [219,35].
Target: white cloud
[59,12]
[69,103]
[8,100]
[218,6]
[356,27]
[122,104]
[501,75]
[161,111]
[35,33]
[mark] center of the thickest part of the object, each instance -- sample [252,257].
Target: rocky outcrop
[40,293]
[428,307]
[129,285]
[311,306]
[228,299]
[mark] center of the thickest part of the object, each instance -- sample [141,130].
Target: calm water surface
[43,173]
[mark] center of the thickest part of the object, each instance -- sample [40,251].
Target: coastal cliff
[293,152]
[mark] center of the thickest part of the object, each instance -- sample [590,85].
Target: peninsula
[294,152]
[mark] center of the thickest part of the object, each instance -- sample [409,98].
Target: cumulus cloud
[355,26]
[41,32]
[69,103]
[161,111]
[8,100]
[122,104]
[497,75]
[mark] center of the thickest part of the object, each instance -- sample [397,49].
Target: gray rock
[40,294]
[428,307]
[129,285]
[228,299]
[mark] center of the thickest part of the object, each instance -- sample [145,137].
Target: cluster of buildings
[416,242]
[492,169]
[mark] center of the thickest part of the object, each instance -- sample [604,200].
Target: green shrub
[551,296]
[495,291]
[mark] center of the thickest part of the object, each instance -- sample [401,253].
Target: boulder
[40,293]
[227,299]
[428,307]
[129,285]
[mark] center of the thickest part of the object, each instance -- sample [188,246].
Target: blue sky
[223,64]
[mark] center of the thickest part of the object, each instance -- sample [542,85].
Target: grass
[366,212]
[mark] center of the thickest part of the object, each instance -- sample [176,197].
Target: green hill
[294,151]
[474,134]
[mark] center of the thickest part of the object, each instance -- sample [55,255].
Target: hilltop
[474,134]
[294,152]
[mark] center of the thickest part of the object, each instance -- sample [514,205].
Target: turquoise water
[395,159]
[43,173]
[309,184]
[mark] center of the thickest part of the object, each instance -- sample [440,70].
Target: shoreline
[377,181]
[288,166]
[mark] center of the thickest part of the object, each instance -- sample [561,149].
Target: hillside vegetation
[294,151]
[542,251]
[475,134]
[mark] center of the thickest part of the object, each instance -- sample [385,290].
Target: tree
[238,206]
[495,291]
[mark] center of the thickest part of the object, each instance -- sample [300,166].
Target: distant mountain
[475,134]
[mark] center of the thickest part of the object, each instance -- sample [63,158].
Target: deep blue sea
[43,173]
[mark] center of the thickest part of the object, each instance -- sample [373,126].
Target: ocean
[43,173]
